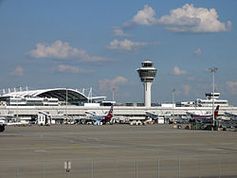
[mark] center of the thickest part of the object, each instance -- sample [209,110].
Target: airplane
[162,117]
[232,116]
[150,118]
[97,119]
[152,115]
[200,115]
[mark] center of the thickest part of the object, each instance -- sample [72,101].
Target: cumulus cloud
[232,87]
[177,71]
[107,84]
[18,71]
[62,50]
[127,44]
[191,19]
[145,16]
[184,19]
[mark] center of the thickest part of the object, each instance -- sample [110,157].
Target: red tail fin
[109,116]
[216,111]
[110,113]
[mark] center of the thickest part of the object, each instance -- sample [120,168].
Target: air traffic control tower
[147,74]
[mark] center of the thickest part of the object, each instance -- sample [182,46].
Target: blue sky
[100,44]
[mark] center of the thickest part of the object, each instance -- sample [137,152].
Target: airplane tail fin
[109,116]
[216,111]
[110,113]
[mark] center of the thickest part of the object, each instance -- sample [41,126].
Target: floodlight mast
[147,73]
[213,70]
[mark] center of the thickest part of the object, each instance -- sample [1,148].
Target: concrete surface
[116,151]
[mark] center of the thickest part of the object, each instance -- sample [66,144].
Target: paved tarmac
[116,151]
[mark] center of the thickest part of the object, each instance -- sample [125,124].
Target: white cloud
[18,71]
[191,19]
[177,71]
[186,89]
[118,31]
[107,84]
[185,19]
[198,52]
[128,44]
[232,87]
[62,50]
[67,69]
[146,16]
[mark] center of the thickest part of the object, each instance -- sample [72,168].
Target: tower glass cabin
[147,73]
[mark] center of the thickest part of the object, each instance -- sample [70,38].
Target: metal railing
[150,168]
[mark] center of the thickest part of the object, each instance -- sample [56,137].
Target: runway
[115,151]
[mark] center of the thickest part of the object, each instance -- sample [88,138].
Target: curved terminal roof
[63,94]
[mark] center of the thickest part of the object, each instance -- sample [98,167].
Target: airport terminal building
[48,97]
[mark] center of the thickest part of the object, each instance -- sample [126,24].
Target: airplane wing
[151,115]
[231,115]
[91,113]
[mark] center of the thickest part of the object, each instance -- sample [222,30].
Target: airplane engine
[139,123]
[98,123]
[133,123]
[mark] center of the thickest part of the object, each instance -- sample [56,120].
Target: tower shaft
[147,94]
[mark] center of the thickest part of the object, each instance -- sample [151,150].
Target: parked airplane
[152,115]
[232,116]
[161,118]
[200,115]
[97,119]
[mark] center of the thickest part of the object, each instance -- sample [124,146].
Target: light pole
[213,71]
[66,100]
[113,93]
[173,102]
